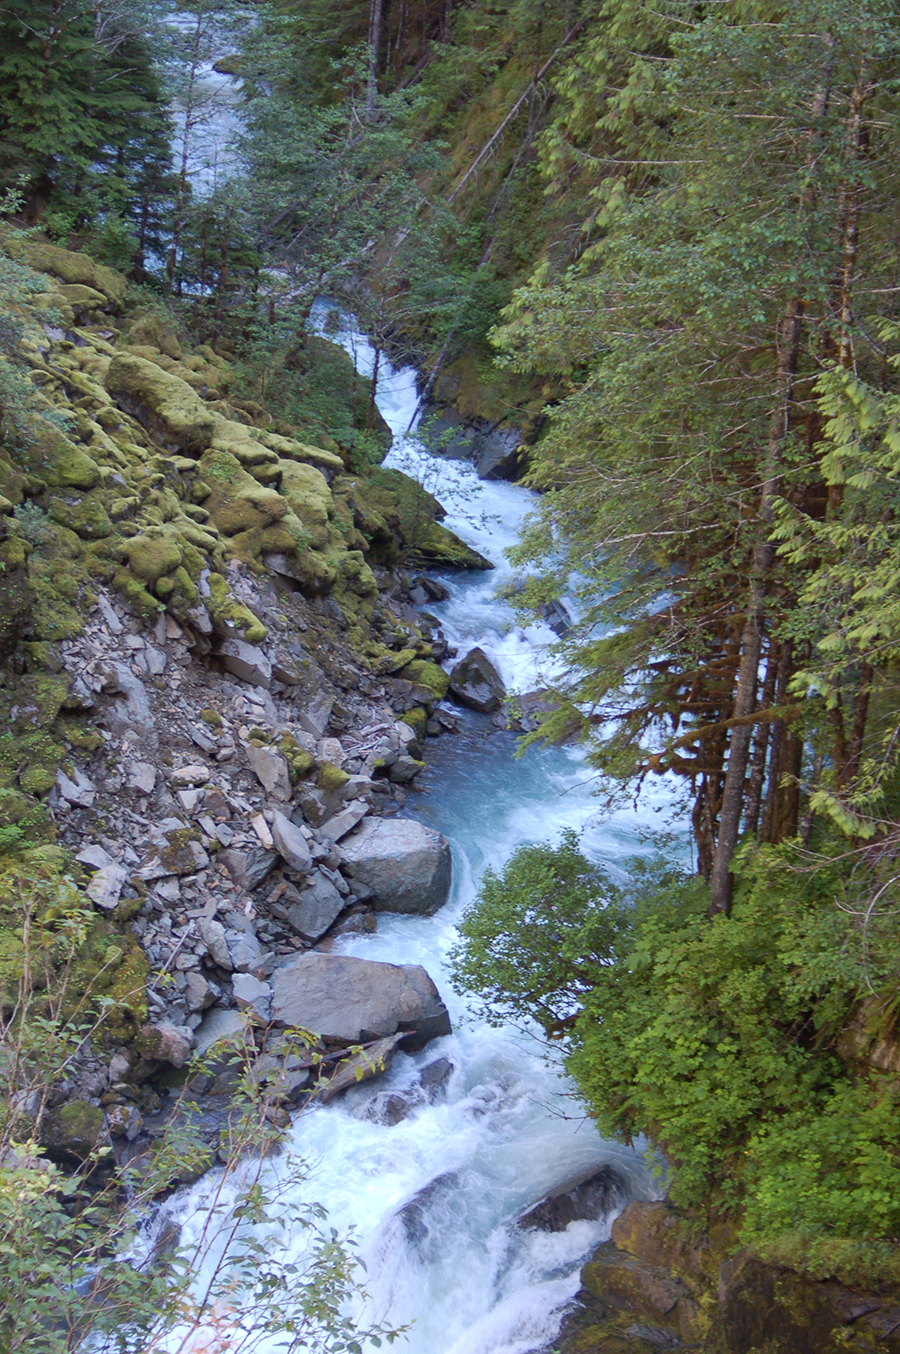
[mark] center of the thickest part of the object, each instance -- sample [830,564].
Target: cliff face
[660,1283]
[211,673]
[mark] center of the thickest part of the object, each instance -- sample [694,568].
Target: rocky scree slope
[215,689]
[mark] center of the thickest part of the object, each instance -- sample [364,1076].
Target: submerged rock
[401,865]
[353,1001]
[582,1199]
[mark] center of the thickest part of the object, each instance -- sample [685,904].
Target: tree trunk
[760,747]
[785,668]
[721,880]
[376,14]
[373,390]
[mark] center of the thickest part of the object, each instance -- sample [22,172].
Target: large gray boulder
[402,866]
[318,907]
[475,682]
[354,1001]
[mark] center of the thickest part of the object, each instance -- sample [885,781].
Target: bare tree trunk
[785,668]
[373,390]
[376,14]
[760,748]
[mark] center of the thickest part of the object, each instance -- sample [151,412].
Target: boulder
[291,844]
[244,951]
[247,867]
[105,889]
[168,408]
[344,822]
[353,1001]
[475,682]
[586,1198]
[314,719]
[404,770]
[401,865]
[73,268]
[369,1062]
[73,1130]
[130,711]
[271,770]
[165,1042]
[246,662]
[318,908]
[252,996]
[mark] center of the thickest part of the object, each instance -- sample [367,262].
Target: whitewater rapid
[508,1129]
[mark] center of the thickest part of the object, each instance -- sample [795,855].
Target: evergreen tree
[726,252]
[83,120]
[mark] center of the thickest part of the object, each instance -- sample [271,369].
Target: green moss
[393,662]
[75,1128]
[37,780]
[331,778]
[237,502]
[416,719]
[111,965]
[167,407]
[212,717]
[300,762]
[150,557]
[71,267]
[155,329]
[306,490]
[78,734]
[231,614]
[425,673]
[35,701]
[86,516]
[59,463]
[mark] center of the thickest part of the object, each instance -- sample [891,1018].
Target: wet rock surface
[585,1198]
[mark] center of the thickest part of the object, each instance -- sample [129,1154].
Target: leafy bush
[714,1038]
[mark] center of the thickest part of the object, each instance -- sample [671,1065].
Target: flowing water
[508,1130]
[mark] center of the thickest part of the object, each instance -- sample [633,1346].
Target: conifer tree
[746,165]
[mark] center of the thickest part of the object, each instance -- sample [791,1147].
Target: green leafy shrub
[716,1039]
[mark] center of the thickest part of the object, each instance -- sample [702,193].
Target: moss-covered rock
[439,548]
[417,719]
[165,405]
[84,514]
[306,490]
[73,268]
[74,1130]
[56,460]
[322,459]
[150,557]
[237,502]
[331,778]
[149,327]
[230,616]
[425,673]
[300,762]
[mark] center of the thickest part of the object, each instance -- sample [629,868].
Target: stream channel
[507,1131]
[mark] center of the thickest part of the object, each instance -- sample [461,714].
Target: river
[508,1129]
